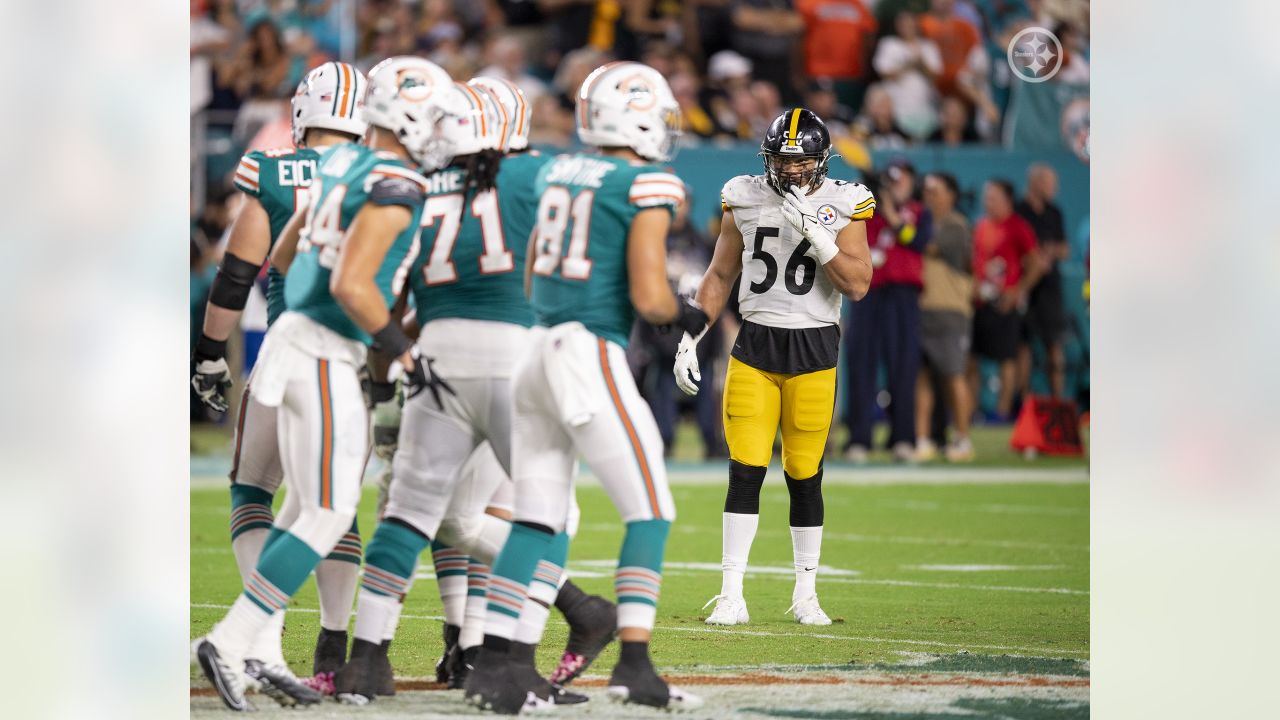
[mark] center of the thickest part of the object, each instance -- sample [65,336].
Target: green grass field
[981,570]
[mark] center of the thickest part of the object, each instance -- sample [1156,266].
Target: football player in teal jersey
[596,260]
[325,112]
[355,245]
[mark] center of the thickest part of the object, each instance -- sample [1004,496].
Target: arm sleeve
[656,189]
[246,178]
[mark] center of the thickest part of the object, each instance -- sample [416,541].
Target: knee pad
[574,518]
[480,536]
[745,481]
[321,528]
[806,500]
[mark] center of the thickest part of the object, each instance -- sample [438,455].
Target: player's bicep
[250,236]
[726,260]
[370,236]
[852,241]
[647,245]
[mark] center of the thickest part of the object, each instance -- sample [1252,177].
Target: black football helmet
[796,134]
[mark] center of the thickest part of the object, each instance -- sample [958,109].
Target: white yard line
[1040,651]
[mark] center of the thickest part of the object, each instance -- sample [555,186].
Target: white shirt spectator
[915,101]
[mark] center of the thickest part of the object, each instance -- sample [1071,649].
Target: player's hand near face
[804,218]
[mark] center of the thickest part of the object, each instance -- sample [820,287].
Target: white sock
[236,631]
[739,530]
[534,613]
[267,644]
[247,546]
[373,615]
[473,618]
[393,618]
[806,546]
[336,581]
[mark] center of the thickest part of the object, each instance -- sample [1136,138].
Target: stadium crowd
[884,75]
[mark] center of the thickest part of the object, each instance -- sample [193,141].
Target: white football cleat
[808,612]
[729,610]
[225,674]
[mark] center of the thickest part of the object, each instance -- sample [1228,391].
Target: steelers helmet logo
[413,85]
[827,214]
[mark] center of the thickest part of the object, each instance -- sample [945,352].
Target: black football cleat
[331,651]
[593,624]
[366,675]
[280,684]
[227,679]
[466,659]
[493,685]
[526,673]
[637,682]
[443,666]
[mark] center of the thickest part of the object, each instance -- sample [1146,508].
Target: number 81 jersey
[781,285]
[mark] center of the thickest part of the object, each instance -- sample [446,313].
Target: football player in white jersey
[797,239]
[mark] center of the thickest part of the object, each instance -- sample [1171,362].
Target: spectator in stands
[261,69]
[1006,266]
[825,103]
[507,61]
[837,40]
[523,20]
[884,327]
[954,36]
[728,74]
[908,65]
[768,106]
[685,87]
[1046,319]
[954,127]
[876,125]
[767,32]
[1075,66]
[946,320]
[568,27]
[974,85]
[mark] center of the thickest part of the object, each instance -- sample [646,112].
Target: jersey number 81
[555,210]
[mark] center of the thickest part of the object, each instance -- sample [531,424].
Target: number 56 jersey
[781,285]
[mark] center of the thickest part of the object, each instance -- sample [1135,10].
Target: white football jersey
[781,285]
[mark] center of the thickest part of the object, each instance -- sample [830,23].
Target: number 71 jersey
[781,285]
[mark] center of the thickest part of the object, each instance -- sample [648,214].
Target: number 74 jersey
[781,285]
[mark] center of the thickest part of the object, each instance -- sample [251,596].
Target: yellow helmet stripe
[795,125]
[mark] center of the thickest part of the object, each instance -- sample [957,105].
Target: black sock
[569,597]
[634,652]
[743,497]
[806,500]
[500,645]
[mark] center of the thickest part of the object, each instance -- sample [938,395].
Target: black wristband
[692,319]
[391,340]
[380,392]
[209,349]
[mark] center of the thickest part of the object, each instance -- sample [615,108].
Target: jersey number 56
[799,261]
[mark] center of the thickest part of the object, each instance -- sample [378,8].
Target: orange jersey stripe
[326,438]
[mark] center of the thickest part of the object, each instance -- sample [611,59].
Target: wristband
[209,349]
[380,392]
[692,319]
[825,252]
[391,340]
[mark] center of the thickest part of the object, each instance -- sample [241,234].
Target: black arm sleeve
[232,283]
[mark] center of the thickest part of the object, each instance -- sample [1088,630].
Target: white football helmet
[628,104]
[329,97]
[515,111]
[472,122]
[410,97]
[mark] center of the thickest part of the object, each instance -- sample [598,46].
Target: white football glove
[688,375]
[802,216]
[212,382]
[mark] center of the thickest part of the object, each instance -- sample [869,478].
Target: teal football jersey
[475,246]
[348,177]
[585,206]
[277,178]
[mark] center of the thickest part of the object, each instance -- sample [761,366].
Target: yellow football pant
[757,402]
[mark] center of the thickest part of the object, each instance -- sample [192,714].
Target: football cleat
[280,684]
[366,675]
[638,683]
[331,652]
[593,623]
[926,450]
[493,685]
[448,659]
[321,683]
[466,661]
[960,451]
[808,612]
[904,452]
[729,610]
[856,454]
[224,673]
[526,673]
